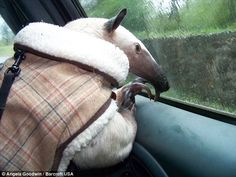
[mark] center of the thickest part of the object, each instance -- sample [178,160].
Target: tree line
[6,35]
[149,18]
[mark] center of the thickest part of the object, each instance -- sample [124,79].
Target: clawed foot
[125,96]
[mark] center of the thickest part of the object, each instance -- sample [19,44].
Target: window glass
[193,40]
[6,41]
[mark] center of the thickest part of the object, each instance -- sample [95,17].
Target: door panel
[186,144]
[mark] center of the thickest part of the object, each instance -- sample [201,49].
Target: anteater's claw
[125,96]
[138,87]
[132,89]
[143,81]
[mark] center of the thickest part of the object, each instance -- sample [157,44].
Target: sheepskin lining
[75,46]
[109,78]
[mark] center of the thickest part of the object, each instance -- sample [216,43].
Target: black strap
[9,76]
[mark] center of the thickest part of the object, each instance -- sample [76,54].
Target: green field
[6,50]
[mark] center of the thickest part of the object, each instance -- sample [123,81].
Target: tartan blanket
[49,103]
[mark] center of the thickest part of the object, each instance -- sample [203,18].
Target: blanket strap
[9,76]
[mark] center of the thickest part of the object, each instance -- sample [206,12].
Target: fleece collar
[74,46]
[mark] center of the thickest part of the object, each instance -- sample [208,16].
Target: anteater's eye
[137,48]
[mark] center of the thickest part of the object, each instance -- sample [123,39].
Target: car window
[6,41]
[193,40]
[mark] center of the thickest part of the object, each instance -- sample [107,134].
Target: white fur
[105,142]
[75,46]
[95,27]
[112,145]
[91,26]
[122,37]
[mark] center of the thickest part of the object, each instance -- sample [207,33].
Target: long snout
[158,79]
[147,68]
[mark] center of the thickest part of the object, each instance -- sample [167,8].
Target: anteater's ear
[114,22]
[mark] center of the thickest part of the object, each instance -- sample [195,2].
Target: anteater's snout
[164,84]
[160,81]
[160,85]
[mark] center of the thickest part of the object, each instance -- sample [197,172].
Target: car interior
[174,138]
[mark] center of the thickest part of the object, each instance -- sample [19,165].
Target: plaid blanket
[49,103]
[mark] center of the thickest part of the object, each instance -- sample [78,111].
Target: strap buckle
[15,69]
[9,77]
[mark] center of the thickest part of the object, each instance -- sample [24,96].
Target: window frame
[201,110]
